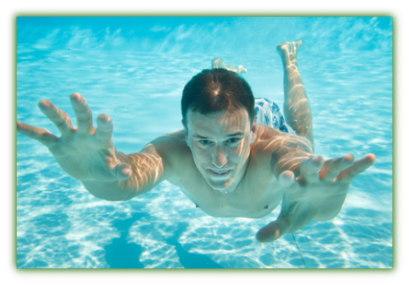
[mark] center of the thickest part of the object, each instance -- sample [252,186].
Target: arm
[145,169]
[148,168]
[313,189]
[288,152]
[87,153]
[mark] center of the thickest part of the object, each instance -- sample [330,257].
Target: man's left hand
[318,193]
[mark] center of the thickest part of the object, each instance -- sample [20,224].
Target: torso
[256,195]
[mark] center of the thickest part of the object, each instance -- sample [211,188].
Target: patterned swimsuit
[268,113]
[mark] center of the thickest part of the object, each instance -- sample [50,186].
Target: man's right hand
[86,153]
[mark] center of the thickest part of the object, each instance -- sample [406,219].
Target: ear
[186,136]
[253,131]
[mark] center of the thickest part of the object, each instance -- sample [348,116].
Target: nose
[219,158]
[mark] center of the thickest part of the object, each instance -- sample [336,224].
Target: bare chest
[254,196]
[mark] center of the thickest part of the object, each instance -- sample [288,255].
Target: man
[226,159]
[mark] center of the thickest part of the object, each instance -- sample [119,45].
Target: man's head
[215,90]
[218,113]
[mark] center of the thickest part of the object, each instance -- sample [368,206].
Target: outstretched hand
[86,152]
[316,194]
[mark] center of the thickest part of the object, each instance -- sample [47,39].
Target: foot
[217,63]
[288,52]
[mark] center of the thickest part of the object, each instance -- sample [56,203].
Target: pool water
[134,70]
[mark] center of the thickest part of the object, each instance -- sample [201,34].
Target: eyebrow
[230,135]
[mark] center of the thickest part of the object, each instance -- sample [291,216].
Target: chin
[217,183]
[225,187]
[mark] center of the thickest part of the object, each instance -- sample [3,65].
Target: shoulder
[280,151]
[167,145]
[274,144]
[171,149]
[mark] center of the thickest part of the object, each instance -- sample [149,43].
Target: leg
[297,110]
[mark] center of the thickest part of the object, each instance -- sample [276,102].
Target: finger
[311,165]
[333,167]
[61,119]
[309,170]
[286,179]
[288,182]
[122,171]
[357,168]
[272,231]
[104,129]
[82,111]
[39,134]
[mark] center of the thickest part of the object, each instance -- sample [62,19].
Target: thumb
[286,178]
[272,231]
[122,171]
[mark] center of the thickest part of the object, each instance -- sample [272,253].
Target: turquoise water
[134,70]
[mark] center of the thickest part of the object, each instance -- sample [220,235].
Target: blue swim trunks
[267,113]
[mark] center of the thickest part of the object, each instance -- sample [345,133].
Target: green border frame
[207,8]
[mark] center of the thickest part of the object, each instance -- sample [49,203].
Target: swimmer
[234,157]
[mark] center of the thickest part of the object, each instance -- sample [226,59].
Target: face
[220,145]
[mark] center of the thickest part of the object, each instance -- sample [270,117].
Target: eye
[233,140]
[204,142]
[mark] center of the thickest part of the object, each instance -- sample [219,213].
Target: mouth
[219,173]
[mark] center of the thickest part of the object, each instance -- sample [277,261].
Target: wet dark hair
[215,90]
